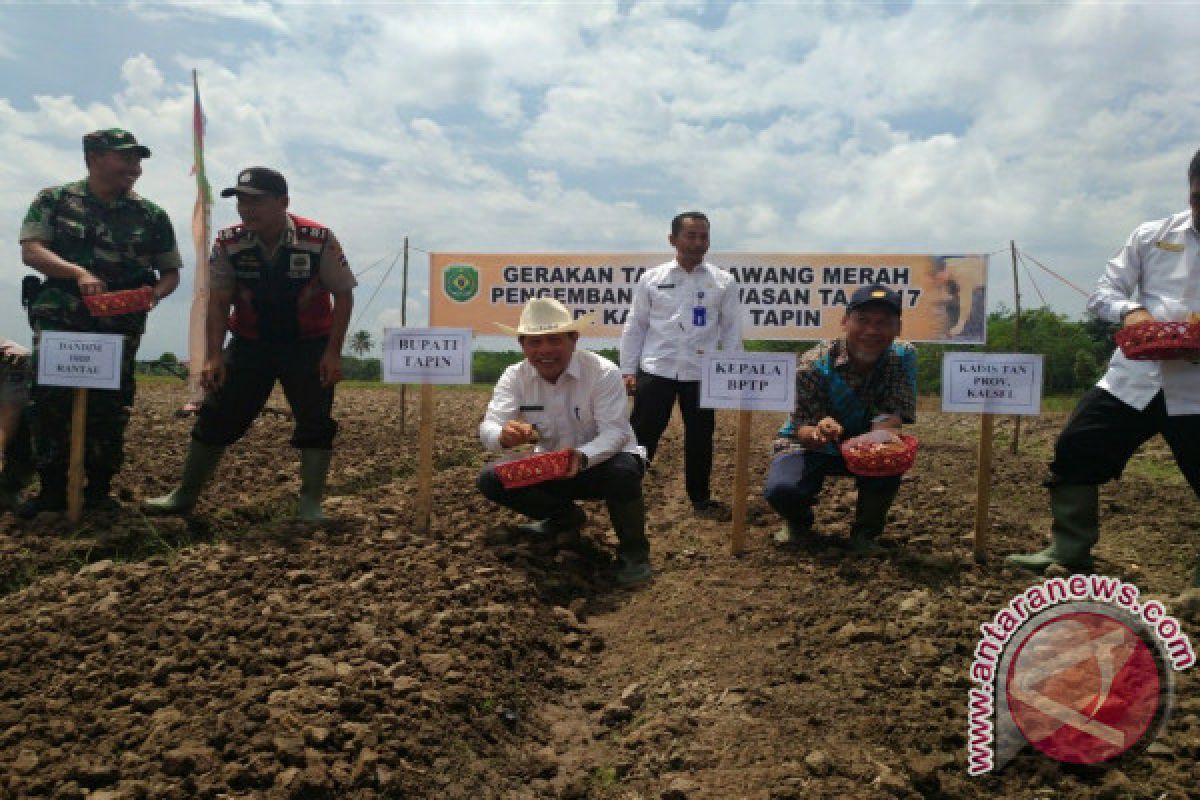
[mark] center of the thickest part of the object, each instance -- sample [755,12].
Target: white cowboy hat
[545,315]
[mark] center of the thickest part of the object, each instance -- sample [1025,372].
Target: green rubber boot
[314,470]
[1076,527]
[198,469]
[870,516]
[633,548]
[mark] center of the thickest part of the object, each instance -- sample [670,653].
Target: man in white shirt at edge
[560,398]
[681,310]
[1155,276]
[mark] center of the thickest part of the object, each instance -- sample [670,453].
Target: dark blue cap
[868,295]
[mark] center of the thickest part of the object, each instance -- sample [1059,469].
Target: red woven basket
[873,461]
[112,304]
[1159,341]
[534,469]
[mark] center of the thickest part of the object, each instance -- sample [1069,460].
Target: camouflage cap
[113,139]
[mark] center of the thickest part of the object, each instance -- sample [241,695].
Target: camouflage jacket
[123,243]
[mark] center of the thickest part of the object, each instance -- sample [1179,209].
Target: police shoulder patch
[310,229]
[312,232]
[232,234]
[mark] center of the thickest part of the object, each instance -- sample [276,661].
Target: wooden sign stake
[741,483]
[425,460]
[75,465]
[983,486]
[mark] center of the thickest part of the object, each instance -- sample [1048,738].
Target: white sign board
[748,381]
[992,383]
[81,360]
[427,355]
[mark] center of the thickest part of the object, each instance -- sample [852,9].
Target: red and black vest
[282,299]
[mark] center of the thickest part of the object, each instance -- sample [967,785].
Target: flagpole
[201,235]
[403,323]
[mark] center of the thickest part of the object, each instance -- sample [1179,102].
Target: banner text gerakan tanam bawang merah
[799,296]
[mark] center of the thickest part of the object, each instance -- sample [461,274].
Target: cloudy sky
[576,126]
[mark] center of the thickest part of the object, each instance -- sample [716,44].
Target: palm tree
[360,343]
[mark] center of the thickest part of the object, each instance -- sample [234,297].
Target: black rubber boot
[97,495]
[13,479]
[870,517]
[51,496]
[570,521]
[1075,529]
[633,548]
[796,529]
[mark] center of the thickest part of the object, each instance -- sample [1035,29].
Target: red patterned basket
[534,469]
[112,304]
[881,460]
[1159,341]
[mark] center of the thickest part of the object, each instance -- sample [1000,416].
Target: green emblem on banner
[461,282]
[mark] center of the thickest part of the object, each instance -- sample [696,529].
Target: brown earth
[236,653]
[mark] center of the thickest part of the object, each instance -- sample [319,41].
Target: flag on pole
[201,230]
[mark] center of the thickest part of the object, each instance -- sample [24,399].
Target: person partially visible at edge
[1153,277]
[291,292]
[681,310]
[864,381]
[92,236]
[559,398]
[16,454]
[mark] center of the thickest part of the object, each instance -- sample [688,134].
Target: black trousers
[1103,433]
[251,369]
[652,411]
[618,479]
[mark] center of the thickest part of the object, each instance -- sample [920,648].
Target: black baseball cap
[868,295]
[258,180]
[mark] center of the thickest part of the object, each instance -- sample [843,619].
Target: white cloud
[566,126]
[241,11]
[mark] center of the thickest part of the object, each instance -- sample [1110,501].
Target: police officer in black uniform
[292,293]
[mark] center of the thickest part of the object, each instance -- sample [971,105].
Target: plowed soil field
[236,653]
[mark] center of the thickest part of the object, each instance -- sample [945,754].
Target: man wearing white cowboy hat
[562,398]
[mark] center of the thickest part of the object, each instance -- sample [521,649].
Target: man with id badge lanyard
[681,310]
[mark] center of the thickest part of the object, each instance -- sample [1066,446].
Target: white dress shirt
[584,410]
[1160,264]
[677,317]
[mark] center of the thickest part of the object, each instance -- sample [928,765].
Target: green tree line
[1076,352]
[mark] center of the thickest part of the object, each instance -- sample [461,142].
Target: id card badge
[699,316]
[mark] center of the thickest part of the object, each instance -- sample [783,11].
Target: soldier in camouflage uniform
[88,237]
